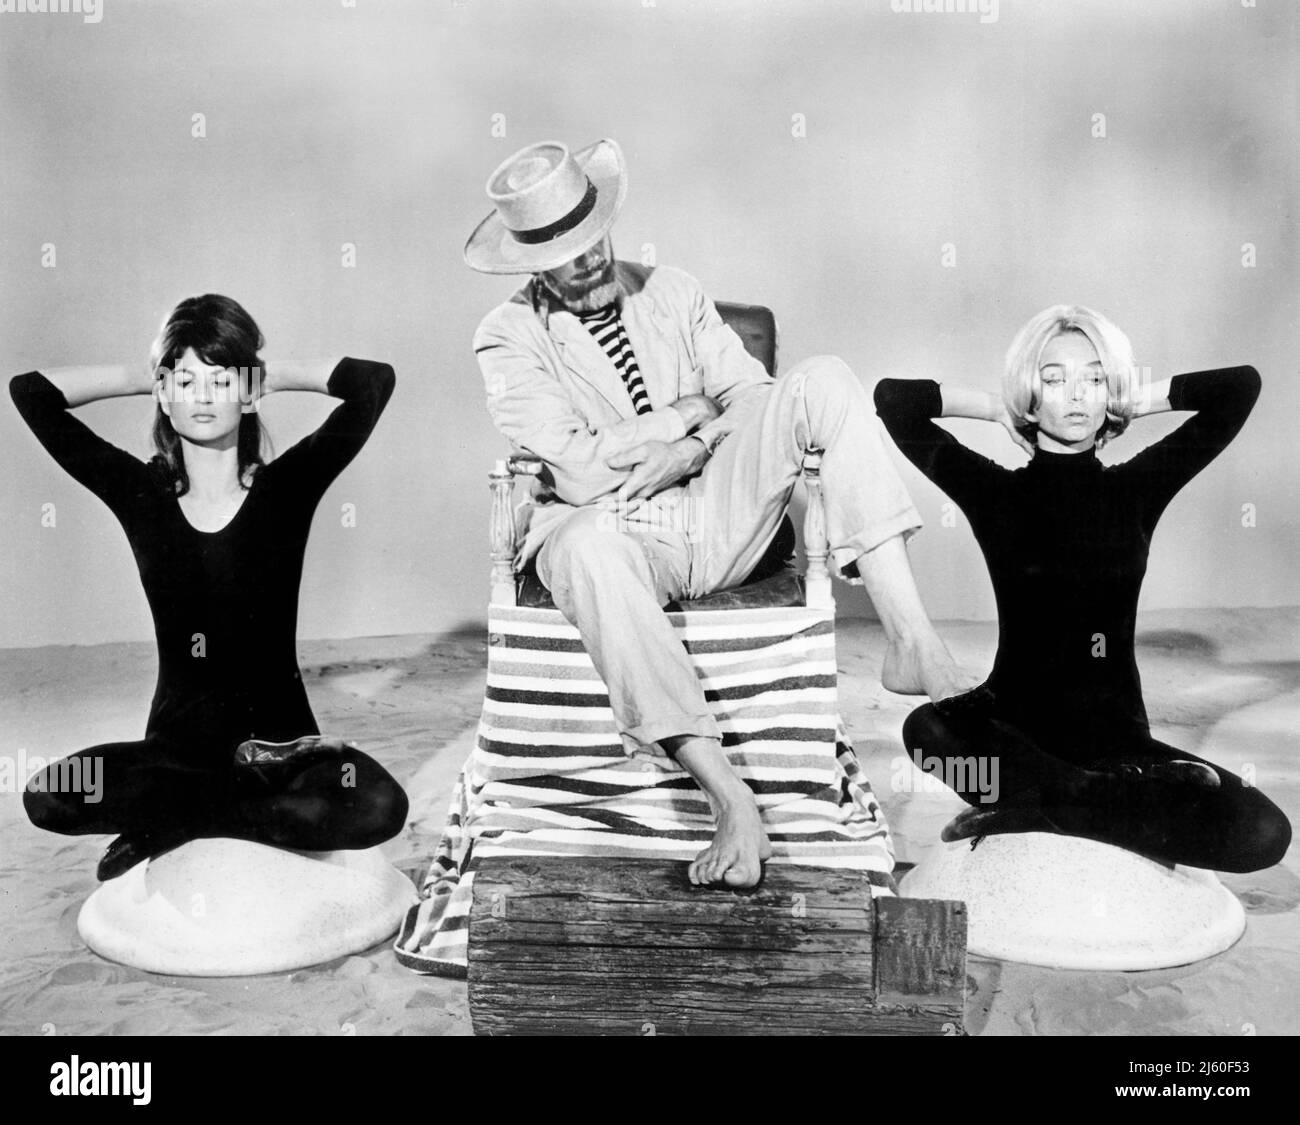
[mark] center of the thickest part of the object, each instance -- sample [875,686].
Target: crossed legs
[1118,800]
[161,791]
[611,581]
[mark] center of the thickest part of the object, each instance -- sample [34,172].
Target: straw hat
[551,206]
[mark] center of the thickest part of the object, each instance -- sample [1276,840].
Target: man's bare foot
[739,845]
[923,668]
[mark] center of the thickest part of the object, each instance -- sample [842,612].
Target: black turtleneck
[1066,541]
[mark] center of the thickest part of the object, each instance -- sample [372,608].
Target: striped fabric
[607,326]
[550,775]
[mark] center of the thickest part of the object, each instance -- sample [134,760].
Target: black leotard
[1061,718]
[224,603]
[1066,542]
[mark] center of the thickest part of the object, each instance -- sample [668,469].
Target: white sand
[1226,685]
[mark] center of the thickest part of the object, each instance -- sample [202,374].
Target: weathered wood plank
[629,947]
[497,934]
[659,1016]
[677,963]
[532,1010]
[638,880]
[920,950]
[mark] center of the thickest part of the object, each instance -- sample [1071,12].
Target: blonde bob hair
[1022,385]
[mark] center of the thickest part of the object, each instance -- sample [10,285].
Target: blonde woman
[1066,542]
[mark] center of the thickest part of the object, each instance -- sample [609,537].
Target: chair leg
[817,577]
[501,533]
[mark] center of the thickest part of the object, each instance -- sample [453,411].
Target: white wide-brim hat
[551,206]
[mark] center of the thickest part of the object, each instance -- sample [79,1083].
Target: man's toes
[741,875]
[702,868]
[722,863]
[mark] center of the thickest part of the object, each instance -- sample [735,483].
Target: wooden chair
[550,776]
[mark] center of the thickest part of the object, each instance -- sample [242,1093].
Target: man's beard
[586,296]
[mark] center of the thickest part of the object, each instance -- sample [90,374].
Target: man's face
[587,282]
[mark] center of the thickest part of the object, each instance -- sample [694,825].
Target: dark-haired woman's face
[205,402]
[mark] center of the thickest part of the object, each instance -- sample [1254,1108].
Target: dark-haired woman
[1066,542]
[231,747]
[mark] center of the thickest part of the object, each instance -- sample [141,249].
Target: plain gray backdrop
[377,125]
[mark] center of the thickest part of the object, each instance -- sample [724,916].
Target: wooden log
[577,945]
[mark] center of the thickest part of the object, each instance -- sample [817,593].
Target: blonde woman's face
[1072,409]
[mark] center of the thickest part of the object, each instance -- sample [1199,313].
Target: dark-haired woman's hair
[224,335]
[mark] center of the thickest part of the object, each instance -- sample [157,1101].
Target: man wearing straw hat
[670,455]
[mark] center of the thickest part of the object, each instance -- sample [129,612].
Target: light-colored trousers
[611,577]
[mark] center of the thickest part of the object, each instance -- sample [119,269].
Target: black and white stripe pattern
[550,775]
[607,327]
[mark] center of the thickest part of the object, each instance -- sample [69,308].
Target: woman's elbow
[1249,376]
[885,396]
[384,379]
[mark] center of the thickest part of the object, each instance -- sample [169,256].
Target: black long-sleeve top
[1066,541]
[224,603]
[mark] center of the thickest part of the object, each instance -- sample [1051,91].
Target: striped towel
[550,775]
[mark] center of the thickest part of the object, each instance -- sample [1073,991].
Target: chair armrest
[816,543]
[524,465]
[501,529]
[501,533]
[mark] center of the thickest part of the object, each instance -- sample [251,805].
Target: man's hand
[696,410]
[657,465]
